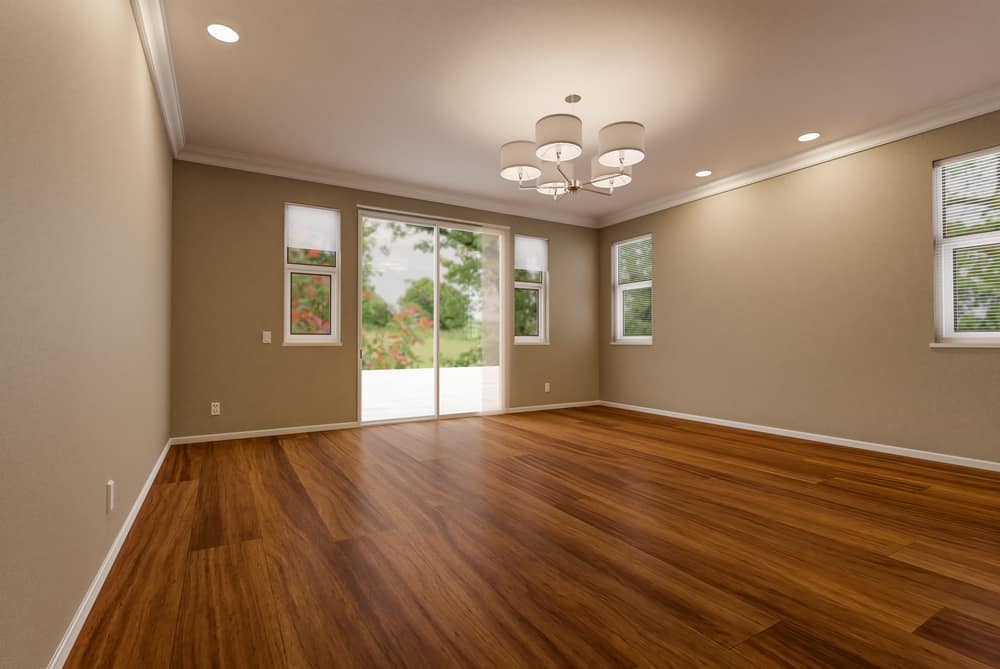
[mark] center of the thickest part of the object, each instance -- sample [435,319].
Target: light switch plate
[265,337]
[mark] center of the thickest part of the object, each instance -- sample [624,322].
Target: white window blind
[632,300]
[531,268]
[967,246]
[531,253]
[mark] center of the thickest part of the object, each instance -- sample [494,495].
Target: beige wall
[806,302]
[227,288]
[84,303]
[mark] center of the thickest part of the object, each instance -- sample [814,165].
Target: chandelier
[547,165]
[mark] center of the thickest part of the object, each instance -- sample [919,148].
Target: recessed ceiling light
[223,33]
[809,136]
[703,173]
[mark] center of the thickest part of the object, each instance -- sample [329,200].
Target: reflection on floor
[388,394]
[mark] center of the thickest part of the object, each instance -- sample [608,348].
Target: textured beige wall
[84,303]
[806,302]
[227,288]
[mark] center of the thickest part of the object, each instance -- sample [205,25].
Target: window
[531,269]
[632,296]
[967,247]
[312,286]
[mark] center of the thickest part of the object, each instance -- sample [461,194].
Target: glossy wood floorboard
[588,537]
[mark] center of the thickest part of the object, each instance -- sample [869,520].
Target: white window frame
[543,311]
[332,339]
[944,265]
[617,297]
[542,338]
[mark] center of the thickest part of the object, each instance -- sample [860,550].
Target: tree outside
[398,333]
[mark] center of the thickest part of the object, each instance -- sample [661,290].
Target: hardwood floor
[584,537]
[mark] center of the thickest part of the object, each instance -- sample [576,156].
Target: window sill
[530,343]
[647,342]
[311,343]
[965,344]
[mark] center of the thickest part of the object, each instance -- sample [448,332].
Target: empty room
[453,333]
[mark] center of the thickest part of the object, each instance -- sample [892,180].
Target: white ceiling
[424,92]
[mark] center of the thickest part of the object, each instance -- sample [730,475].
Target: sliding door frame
[506,315]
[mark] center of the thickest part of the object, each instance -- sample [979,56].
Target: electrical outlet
[548,386]
[216,408]
[109,497]
[265,337]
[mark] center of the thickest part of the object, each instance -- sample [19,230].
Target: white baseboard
[298,429]
[270,432]
[73,631]
[823,438]
[550,407]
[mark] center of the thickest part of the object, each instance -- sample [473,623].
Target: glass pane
[637,316]
[312,234]
[312,257]
[469,321]
[977,288]
[397,320]
[526,312]
[528,276]
[635,261]
[971,195]
[310,304]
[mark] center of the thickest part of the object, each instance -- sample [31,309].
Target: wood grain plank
[225,512]
[227,616]
[964,634]
[183,463]
[134,618]
[789,646]
[710,610]
[323,619]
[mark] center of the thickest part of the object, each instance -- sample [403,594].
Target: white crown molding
[152,24]
[952,112]
[317,174]
[821,438]
[80,617]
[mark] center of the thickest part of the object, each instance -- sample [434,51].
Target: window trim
[542,338]
[334,338]
[618,338]
[944,259]
[543,312]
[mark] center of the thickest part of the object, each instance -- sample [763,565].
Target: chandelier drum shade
[621,144]
[547,165]
[518,161]
[559,137]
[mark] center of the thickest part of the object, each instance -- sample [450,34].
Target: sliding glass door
[431,318]
[469,321]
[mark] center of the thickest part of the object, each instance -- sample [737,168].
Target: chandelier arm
[595,192]
[602,178]
[569,182]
